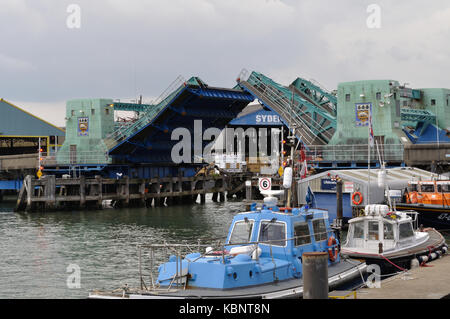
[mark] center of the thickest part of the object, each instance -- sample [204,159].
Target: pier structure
[429,282]
[51,193]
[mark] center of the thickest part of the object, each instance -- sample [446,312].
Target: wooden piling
[84,192]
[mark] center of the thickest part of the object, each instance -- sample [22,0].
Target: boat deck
[338,274]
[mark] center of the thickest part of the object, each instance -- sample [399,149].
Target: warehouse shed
[22,132]
[323,187]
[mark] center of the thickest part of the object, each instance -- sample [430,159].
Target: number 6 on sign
[265,184]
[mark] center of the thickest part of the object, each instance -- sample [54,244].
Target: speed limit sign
[265,184]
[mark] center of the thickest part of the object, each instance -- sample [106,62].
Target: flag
[371,138]
[304,168]
[310,198]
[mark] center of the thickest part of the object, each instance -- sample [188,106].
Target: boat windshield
[405,230]
[320,230]
[388,231]
[444,188]
[242,232]
[301,234]
[358,230]
[373,230]
[427,188]
[273,232]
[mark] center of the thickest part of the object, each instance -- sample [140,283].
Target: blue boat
[261,258]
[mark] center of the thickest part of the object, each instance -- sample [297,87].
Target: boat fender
[241,250]
[332,249]
[287,177]
[358,201]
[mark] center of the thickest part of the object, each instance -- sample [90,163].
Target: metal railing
[76,158]
[354,153]
[161,102]
[178,250]
[309,129]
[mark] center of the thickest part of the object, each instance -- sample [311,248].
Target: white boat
[389,239]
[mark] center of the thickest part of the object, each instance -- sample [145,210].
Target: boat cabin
[435,192]
[263,245]
[381,230]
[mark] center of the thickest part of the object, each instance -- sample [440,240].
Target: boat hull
[435,216]
[396,261]
[343,273]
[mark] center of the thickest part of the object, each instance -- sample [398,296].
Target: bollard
[315,275]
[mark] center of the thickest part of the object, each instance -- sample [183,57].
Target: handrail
[176,248]
[355,152]
[310,129]
[162,101]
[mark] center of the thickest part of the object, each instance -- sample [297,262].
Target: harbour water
[37,249]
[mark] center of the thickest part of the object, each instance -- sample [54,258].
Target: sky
[123,49]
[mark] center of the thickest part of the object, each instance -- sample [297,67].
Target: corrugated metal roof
[402,175]
[15,121]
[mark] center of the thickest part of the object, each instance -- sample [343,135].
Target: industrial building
[411,127]
[21,131]
[22,136]
[323,187]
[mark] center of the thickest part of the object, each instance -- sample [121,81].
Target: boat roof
[440,182]
[403,218]
[296,214]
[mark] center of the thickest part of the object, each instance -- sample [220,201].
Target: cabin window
[301,234]
[378,96]
[347,97]
[405,230]
[273,233]
[320,230]
[388,231]
[444,188]
[242,232]
[358,230]
[373,231]
[427,188]
[412,188]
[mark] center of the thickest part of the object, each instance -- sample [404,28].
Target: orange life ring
[332,251]
[357,203]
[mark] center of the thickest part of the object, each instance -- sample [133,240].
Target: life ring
[357,203]
[284,209]
[332,251]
